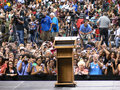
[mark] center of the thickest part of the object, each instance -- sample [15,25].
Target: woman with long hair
[11,70]
[38,67]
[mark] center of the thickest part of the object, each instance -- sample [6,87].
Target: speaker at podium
[65,62]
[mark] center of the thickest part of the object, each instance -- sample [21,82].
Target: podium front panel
[65,70]
[66,52]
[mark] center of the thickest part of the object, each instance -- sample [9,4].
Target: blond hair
[81,62]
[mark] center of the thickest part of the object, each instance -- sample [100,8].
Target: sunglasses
[10,63]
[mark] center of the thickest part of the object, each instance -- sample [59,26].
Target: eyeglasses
[10,63]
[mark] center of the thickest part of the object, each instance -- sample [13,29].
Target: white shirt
[62,0]
[21,1]
[118,32]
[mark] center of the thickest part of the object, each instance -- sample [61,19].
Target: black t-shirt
[104,59]
[20,26]
[3,28]
[13,72]
[118,62]
[109,68]
[109,71]
[22,13]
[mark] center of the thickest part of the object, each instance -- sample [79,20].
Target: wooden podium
[65,62]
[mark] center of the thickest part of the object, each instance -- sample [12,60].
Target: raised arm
[99,44]
[33,71]
[110,46]
[106,51]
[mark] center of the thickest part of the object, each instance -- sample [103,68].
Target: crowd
[28,28]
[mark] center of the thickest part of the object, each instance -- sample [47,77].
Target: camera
[29,20]
[39,17]
[109,63]
[26,59]
[15,19]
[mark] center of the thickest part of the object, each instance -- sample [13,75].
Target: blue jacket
[45,23]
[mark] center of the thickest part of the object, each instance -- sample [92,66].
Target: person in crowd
[117,63]
[3,66]
[38,67]
[46,26]
[51,69]
[32,29]
[74,30]
[117,37]
[11,70]
[24,65]
[19,22]
[55,27]
[95,67]
[110,70]
[85,31]
[81,68]
[104,25]
[118,69]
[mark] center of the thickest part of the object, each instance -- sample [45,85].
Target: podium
[65,62]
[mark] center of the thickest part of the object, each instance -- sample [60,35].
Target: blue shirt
[85,29]
[76,6]
[24,68]
[60,6]
[33,26]
[94,20]
[55,21]
[45,23]
[95,69]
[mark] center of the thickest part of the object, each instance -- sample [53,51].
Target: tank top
[42,65]
[95,69]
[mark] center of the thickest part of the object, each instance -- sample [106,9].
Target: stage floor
[49,85]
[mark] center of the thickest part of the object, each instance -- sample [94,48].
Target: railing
[44,77]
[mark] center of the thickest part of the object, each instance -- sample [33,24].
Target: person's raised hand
[30,61]
[101,38]
[109,38]
[50,29]
[11,75]
[118,54]
[23,59]
[104,46]
[20,58]
[106,65]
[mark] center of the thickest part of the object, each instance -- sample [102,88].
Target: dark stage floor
[49,85]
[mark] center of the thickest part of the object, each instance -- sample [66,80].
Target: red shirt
[79,22]
[3,67]
[97,32]
[34,12]
[109,1]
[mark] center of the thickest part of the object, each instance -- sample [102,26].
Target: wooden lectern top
[65,38]
[65,42]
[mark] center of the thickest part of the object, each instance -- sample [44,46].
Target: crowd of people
[28,29]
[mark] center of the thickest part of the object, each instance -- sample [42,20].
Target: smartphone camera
[109,63]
